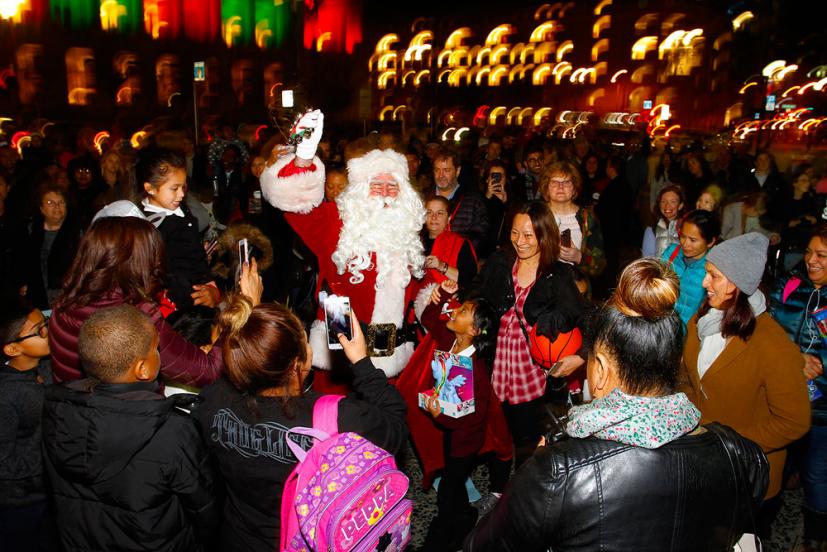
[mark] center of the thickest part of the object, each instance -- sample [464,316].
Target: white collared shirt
[178,212]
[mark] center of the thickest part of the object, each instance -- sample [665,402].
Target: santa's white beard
[388,227]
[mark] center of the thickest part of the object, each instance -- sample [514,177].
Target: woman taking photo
[267,359]
[637,472]
[527,286]
[699,232]
[560,184]
[121,260]
[740,367]
[797,303]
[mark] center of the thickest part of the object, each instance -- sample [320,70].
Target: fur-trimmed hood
[226,254]
[361,169]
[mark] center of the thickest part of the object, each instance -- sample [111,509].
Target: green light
[76,14]
[237,22]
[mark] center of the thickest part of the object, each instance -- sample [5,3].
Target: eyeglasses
[53,203]
[41,330]
[560,183]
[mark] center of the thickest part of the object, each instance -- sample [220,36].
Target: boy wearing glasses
[24,372]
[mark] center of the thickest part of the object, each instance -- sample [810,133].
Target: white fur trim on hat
[392,365]
[120,208]
[298,193]
[361,169]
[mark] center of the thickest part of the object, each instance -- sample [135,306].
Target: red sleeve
[436,327]
[318,229]
[291,169]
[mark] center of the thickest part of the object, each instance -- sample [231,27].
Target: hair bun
[648,288]
[238,311]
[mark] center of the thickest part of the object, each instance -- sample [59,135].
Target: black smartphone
[243,252]
[565,237]
[496,178]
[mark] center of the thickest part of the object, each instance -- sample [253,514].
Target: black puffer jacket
[591,494]
[128,470]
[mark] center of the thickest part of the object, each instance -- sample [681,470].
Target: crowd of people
[164,342]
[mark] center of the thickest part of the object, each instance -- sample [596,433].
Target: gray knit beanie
[741,260]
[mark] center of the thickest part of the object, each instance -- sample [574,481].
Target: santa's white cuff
[298,193]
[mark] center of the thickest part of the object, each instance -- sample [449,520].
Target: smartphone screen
[337,319]
[496,177]
[565,237]
[243,252]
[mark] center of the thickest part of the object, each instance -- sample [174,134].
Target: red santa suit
[299,191]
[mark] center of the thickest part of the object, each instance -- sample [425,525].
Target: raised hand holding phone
[355,348]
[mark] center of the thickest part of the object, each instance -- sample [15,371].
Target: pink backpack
[345,493]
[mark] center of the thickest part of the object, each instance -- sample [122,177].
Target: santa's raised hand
[314,122]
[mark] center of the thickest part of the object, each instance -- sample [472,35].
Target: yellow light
[597,94]
[496,112]
[481,73]
[643,46]
[540,74]
[232,29]
[407,74]
[542,112]
[747,85]
[616,75]
[576,75]
[513,112]
[382,81]
[601,46]
[741,20]
[99,139]
[496,34]
[599,8]
[517,71]
[455,38]
[385,110]
[421,38]
[384,61]
[458,134]
[564,48]
[456,57]
[324,37]
[790,89]
[560,70]
[523,114]
[602,23]
[497,53]
[10,8]
[441,57]
[772,67]
[110,11]
[456,75]
[820,84]
[385,42]
[545,9]
[691,35]
[540,31]
[137,139]
[423,73]
[670,129]
[440,76]
[496,75]
[781,75]
[670,42]
[527,51]
[398,110]
[482,53]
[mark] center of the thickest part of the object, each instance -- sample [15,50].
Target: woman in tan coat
[740,368]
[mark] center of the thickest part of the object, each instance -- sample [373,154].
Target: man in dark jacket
[128,469]
[468,215]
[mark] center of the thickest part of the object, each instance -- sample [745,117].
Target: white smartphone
[338,320]
[243,252]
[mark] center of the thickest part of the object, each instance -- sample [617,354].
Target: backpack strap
[326,414]
[674,254]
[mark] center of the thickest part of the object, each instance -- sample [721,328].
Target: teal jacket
[691,276]
[791,301]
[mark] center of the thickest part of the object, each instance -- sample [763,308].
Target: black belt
[382,339]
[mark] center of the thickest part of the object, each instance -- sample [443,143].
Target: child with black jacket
[25,522]
[163,177]
[128,468]
[469,331]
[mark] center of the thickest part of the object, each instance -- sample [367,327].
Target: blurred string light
[746,86]
[11,9]
[617,75]
[100,140]
[742,19]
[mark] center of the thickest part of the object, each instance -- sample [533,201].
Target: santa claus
[367,242]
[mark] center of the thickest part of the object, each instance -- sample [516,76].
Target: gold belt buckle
[374,329]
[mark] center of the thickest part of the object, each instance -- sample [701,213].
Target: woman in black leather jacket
[637,472]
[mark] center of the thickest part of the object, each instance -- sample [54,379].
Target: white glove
[311,120]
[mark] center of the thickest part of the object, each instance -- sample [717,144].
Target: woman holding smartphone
[498,200]
[581,240]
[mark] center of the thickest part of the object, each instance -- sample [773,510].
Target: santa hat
[361,169]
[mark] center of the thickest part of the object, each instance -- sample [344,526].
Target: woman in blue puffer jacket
[799,304]
[699,231]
